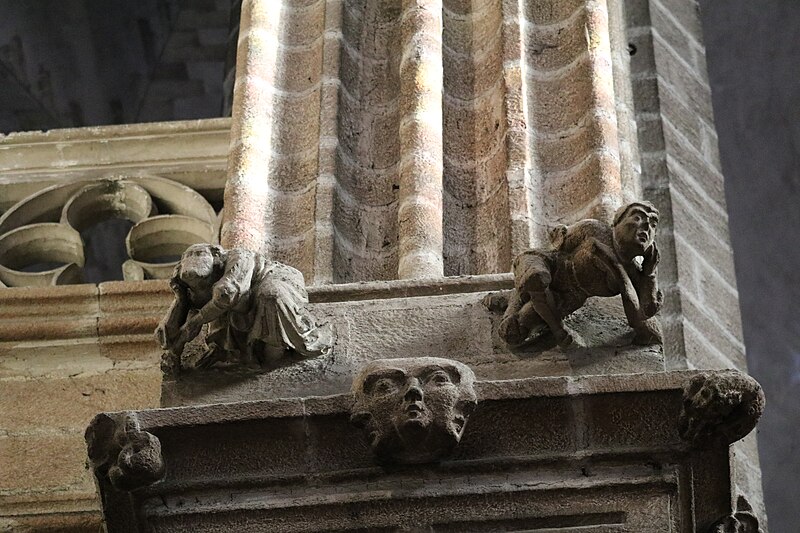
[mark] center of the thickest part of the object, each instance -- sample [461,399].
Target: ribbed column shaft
[420,209]
[246,189]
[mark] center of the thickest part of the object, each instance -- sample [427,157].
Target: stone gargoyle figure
[414,409]
[122,453]
[588,258]
[255,308]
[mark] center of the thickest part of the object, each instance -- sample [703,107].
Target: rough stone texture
[413,410]
[683,178]
[297,465]
[457,326]
[67,353]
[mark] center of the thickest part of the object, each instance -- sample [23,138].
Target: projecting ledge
[545,452]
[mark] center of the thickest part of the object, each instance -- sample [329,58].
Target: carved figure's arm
[168,330]
[229,290]
[628,292]
[647,283]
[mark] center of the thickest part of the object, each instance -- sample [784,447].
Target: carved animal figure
[589,258]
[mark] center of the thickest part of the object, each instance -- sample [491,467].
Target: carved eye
[385,386]
[439,377]
[637,218]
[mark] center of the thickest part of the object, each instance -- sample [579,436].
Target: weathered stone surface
[300,466]
[413,410]
[720,407]
[589,258]
[255,310]
[122,454]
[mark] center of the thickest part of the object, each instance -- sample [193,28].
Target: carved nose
[414,392]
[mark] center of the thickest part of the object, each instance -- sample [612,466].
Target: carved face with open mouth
[635,227]
[415,409]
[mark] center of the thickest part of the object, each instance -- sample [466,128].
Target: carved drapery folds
[742,520]
[255,310]
[720,407]
[122,453]
[414,410]
[589,258]
[46,227]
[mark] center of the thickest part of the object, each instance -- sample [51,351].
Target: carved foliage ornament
[414,410]
[720,407]
[256,310]
[589,258]
[122,453]
[45,228]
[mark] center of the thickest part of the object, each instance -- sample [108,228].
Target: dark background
[88,62]
[753,53]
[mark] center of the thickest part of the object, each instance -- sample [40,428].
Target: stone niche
[571,454]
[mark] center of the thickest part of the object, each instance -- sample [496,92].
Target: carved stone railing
[45,228]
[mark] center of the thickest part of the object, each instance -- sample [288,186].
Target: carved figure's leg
[510,329]
[533,277]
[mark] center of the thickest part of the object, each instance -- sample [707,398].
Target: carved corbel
[743,520]
[122,453]
[414,410]
[720,407]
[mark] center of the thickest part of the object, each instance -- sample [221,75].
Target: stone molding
[292,458]
[46,227]
[193,153]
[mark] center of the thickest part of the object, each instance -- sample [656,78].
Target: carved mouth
[642,236]
[415,410]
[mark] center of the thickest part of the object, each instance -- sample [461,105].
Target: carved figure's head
[635,226]
[415,409]
[721,406]
[201,263]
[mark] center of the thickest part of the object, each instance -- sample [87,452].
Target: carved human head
[201,263]
[635,226]
[414,409]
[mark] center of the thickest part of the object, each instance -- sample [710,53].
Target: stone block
[71,402]
[44,462]
[628,421]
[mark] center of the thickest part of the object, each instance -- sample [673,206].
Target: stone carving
[720,407]
[45,228]
[743,520]
[122,453]
[589,258]
[255,308]
[414,409]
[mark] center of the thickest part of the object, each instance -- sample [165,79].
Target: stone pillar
[421,82]
[246,191]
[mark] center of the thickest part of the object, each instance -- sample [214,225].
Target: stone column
[246,190]
[421,82]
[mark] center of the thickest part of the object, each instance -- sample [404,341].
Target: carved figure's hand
[651,308]
[651,259]
[161,336]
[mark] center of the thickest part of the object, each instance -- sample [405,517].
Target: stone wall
[681,173]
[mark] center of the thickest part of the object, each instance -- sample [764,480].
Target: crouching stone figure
[589,258]
[255,308]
